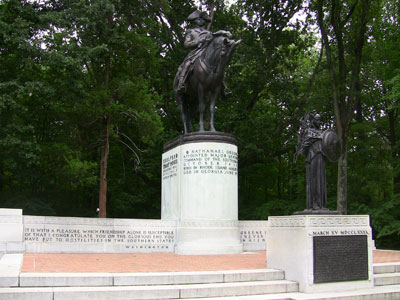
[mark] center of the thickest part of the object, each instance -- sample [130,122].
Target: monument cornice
[199,137]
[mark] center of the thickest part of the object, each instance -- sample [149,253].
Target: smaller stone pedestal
[11,231]
[322,252]
[200,192]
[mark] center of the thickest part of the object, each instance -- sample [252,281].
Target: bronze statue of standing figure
[202,72]
[317,145]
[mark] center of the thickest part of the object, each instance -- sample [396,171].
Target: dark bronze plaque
[340,258]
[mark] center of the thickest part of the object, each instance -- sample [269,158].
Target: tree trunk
[105,142]
[342,182]
[396,175]
[392,117]
[105,146]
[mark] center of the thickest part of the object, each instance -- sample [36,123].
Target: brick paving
[382,256]
[140,262]
[156,262]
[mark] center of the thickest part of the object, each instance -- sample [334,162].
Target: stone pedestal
[200,192]
[322,252]
[11,231]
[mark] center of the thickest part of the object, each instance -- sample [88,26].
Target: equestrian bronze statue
[317,145]
[201,75]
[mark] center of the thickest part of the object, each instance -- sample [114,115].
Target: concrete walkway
[156,262]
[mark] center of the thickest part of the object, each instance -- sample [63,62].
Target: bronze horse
[205,80]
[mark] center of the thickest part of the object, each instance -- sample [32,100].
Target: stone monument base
[200,192]
[323,253]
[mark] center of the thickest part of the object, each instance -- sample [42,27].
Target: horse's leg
[189,122]
[213,99]
[191,113]
[202,106]
[188,116]
[179,101]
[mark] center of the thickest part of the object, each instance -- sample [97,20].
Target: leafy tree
[19,147]
[383,77]
[343,26]
[116,60]
[77,76]
[379,120]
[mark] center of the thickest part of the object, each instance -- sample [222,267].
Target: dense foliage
[86,103]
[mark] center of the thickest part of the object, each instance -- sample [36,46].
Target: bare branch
[133,151]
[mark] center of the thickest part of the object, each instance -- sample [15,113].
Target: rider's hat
[199,14]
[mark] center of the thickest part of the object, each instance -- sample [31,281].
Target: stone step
[133,279]
[151,292]
[380,292]
[386,279]
[391,267]
[10,266]
[387,274]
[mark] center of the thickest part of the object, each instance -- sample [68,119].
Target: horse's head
[229,46]
[223,40]
[221,47]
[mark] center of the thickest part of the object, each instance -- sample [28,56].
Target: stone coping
[10,212]
[96,221]
[198,137]
[319,221]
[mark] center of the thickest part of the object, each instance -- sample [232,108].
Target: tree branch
[355,87]
[328,54]
[353,7]
[336,25]
[211,9]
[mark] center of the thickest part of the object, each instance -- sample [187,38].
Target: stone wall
[93,235]
[82,235]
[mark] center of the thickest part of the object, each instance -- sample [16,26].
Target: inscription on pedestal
[210,161]
[201,161]
[170,166]
[131,239]
[252,236]
[340,258]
